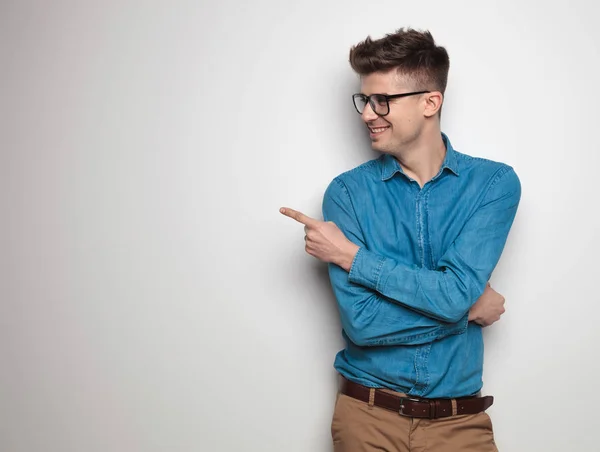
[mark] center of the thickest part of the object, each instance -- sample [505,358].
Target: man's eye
[379,100]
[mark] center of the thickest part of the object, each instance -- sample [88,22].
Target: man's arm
[448,292]
[368,318]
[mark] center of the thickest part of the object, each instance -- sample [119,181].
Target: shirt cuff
[457,328]
[366,269]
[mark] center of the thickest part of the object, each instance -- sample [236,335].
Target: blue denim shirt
[425,257]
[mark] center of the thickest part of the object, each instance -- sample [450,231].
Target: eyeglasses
[380,103]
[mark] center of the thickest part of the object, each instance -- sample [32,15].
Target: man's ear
[433,103]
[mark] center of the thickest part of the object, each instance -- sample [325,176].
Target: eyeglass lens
[378,103]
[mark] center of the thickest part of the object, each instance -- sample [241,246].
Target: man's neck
[424,158]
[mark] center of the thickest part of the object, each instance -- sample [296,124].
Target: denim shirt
[425,257]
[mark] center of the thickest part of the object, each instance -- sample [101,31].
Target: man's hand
[488,308]
[324,240]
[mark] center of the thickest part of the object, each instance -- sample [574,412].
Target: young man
[411,239]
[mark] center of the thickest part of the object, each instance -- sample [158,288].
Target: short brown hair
[412,53]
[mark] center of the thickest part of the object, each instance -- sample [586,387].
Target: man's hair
[412,53]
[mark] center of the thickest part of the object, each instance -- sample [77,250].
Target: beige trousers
[358,427]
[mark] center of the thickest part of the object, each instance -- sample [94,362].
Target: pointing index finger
[298,216]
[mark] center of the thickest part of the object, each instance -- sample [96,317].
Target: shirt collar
[390,166]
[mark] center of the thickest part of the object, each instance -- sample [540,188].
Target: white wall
[153,298]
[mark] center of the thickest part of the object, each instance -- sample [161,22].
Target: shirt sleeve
[448,292]
[370,318]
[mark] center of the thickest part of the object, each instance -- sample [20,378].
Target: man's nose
[368,114]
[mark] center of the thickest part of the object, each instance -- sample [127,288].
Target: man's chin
[378,146]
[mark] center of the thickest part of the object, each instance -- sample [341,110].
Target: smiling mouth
[376,130]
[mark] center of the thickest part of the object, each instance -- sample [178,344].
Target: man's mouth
[376,130]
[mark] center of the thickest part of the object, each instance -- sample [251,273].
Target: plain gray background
[153,298]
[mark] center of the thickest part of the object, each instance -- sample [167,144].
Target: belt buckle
[402,399]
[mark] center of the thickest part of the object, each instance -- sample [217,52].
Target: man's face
[403,124]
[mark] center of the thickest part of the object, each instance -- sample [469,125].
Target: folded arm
[448,292]
[369,318]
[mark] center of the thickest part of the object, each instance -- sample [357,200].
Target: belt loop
[454,409]
[371,397]
[433,409]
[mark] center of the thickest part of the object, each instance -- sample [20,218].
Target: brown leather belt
[417,407]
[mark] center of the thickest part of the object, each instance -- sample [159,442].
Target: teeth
[378,130]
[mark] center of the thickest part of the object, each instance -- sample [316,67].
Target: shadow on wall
[328,302]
